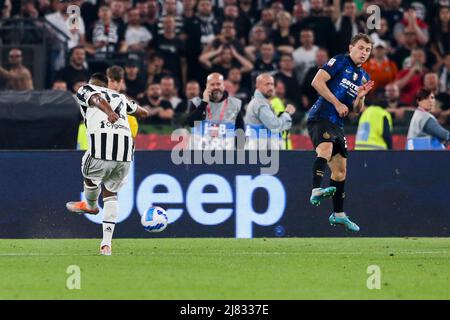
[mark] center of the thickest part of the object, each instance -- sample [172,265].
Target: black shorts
[324,131]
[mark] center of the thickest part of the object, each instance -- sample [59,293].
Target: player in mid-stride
[106,163]
[342,85]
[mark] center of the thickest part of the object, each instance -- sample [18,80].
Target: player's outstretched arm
[141,112]
[320,84]
[358,104]
[97,101]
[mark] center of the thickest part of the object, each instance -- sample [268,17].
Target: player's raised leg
[110,215]
[91,193]
[338,166]
[324,151]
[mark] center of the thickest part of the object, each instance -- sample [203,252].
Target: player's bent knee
[325,150]
[89,183]
[339,175]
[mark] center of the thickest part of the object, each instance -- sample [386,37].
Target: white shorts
[113,174]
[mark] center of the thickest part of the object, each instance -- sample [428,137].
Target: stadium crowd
[167,49]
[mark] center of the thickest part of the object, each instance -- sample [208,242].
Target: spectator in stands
[282,38]
[440,34]
[172,48]
[346,24]
[169,92]
[384,34]
[239,91]
[266,61]
[287,74]
[5,10]
[444,75]
[18,77]
[309,93]
[242,25]
[410,78]
[170,9]
[223,59]
[305,55]
[299,14]
[394,105]
[188,10]
[105,35]
[227,36]
[423,123]
[322,25]
[118,13]
[268,21]
[207,24]
[248,11]
[135,83]
[149,14]
[59,84]
[76,69]
[380,68]
[76,33]
[413,21]
[161,111]
[155,68]
[393,12]
[191,90]
[137,36]
[257,37]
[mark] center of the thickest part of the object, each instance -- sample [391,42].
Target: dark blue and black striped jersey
[346,77]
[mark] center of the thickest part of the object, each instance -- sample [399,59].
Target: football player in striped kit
[106,163]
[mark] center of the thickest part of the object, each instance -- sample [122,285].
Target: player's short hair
[99,78]
[361,36]
[115,73]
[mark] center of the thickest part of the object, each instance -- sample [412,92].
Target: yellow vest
[278,107]
[82,139]
[133,125]
[370,129]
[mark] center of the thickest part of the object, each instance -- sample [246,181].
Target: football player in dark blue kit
[342,85]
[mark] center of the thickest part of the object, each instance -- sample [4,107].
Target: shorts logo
[326,135]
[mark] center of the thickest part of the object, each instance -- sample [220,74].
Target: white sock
[110,214]
[91,194]
[339,214]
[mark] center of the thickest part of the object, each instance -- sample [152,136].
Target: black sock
[338,198]
[318,171]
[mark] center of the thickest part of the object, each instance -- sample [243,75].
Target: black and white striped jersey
[107,141]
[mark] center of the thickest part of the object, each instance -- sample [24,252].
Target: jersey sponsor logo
[347,84]
[105,124]
[331,62]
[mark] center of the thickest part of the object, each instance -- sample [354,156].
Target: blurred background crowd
[169,47]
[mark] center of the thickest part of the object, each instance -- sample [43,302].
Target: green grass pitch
[284,268]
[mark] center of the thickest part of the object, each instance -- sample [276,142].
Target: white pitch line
[227,253]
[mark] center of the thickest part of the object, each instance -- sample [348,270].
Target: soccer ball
[154,219]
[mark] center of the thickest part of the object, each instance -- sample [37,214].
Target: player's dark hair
[423,94]
[99,78]
[361,36]
[115,73]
